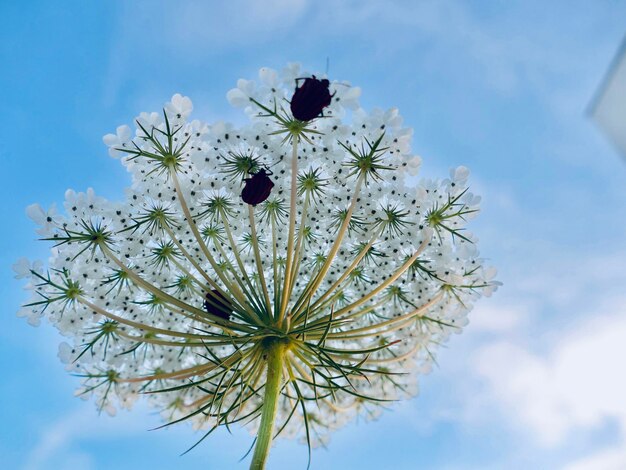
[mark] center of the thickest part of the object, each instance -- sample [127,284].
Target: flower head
[288,275]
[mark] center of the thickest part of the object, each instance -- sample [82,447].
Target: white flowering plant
[288,275]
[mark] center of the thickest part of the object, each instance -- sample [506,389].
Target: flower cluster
[289,275]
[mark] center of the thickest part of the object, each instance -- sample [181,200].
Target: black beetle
[257,188]
[215,303]
[310,99]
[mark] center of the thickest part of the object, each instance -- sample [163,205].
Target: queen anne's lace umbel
[178,292]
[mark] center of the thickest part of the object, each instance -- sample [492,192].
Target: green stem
[315,281]
[292,226]
[259,263]
[275,351]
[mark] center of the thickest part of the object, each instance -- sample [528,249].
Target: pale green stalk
[251,312]
[139,326]
[195,264]
[349,270]
[296,259]
[185,344]
[203,247]
[257,256]
[292,226]
[242,267]
[310,289]
[390,280]
[185,271]
[226,325]
[189,372]
[275,268]
[390,325]
[275,352]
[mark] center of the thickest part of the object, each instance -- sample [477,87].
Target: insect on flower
[216,304]
[310,99]
[257,188]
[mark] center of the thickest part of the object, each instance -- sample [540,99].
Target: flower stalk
[292,227]
[274,352]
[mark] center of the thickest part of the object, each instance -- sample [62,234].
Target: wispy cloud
[608,459]
[544,396]
[59,445]
[55,440]
[575,386]
[192,31]
[189,34]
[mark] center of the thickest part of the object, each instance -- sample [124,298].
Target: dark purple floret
[310,99]
[215,303]
[257,188]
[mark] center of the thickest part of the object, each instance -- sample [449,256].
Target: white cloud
[55,438]
[612,459]
[56,445]
[494,318]
[505,60]
[193,28]
[577,386]
[196,22]
[189,32]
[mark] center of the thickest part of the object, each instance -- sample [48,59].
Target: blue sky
[536,381]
